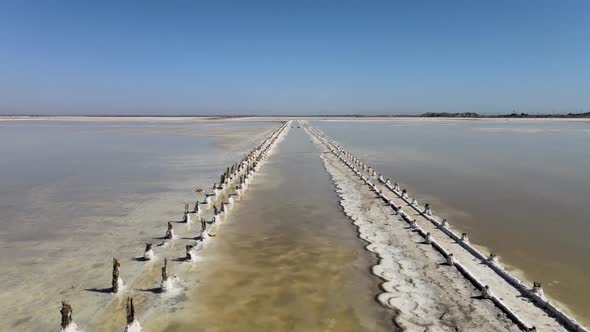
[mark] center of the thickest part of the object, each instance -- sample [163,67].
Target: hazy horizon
[305,57]
[278,115]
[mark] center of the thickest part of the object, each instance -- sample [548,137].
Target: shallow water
[521,188]
[286,259]
[74,194]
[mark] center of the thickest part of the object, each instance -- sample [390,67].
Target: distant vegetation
[511,115]
[585,115]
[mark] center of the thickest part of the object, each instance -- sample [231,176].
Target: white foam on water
[195,257]
[133,327]
[205,238]
[148,255]
[121,285]
[70,328]
[172,286]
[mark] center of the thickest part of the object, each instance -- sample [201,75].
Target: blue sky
[297,57]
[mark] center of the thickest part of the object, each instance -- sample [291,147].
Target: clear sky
[293,57]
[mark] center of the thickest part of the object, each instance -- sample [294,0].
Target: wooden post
[66,314]
[188,252]
[203,224]
[450,259]
[464,238]
[115,281]
[130,310]
[165,270]
[169,231]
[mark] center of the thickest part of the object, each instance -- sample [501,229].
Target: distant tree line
[511,115]
[424,115]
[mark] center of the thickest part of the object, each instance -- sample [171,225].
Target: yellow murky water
[286,259]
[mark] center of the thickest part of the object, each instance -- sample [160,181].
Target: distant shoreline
[585,115]
[445,115]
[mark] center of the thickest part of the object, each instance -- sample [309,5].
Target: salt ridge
[533,294]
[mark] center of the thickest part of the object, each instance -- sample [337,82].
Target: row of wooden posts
[240,172]
[492,259]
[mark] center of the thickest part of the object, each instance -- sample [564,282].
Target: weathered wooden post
[169,232]
[464,238]
[537,289]
[189,256]
[493,258]
[185,216]
[66,315]
[485,292]
[165,270]
[164,284]
[115,281]
[451,259]
[428,239]
[130,310]
[148,254]
[427,210]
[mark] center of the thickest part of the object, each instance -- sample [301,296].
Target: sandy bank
[425,293]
